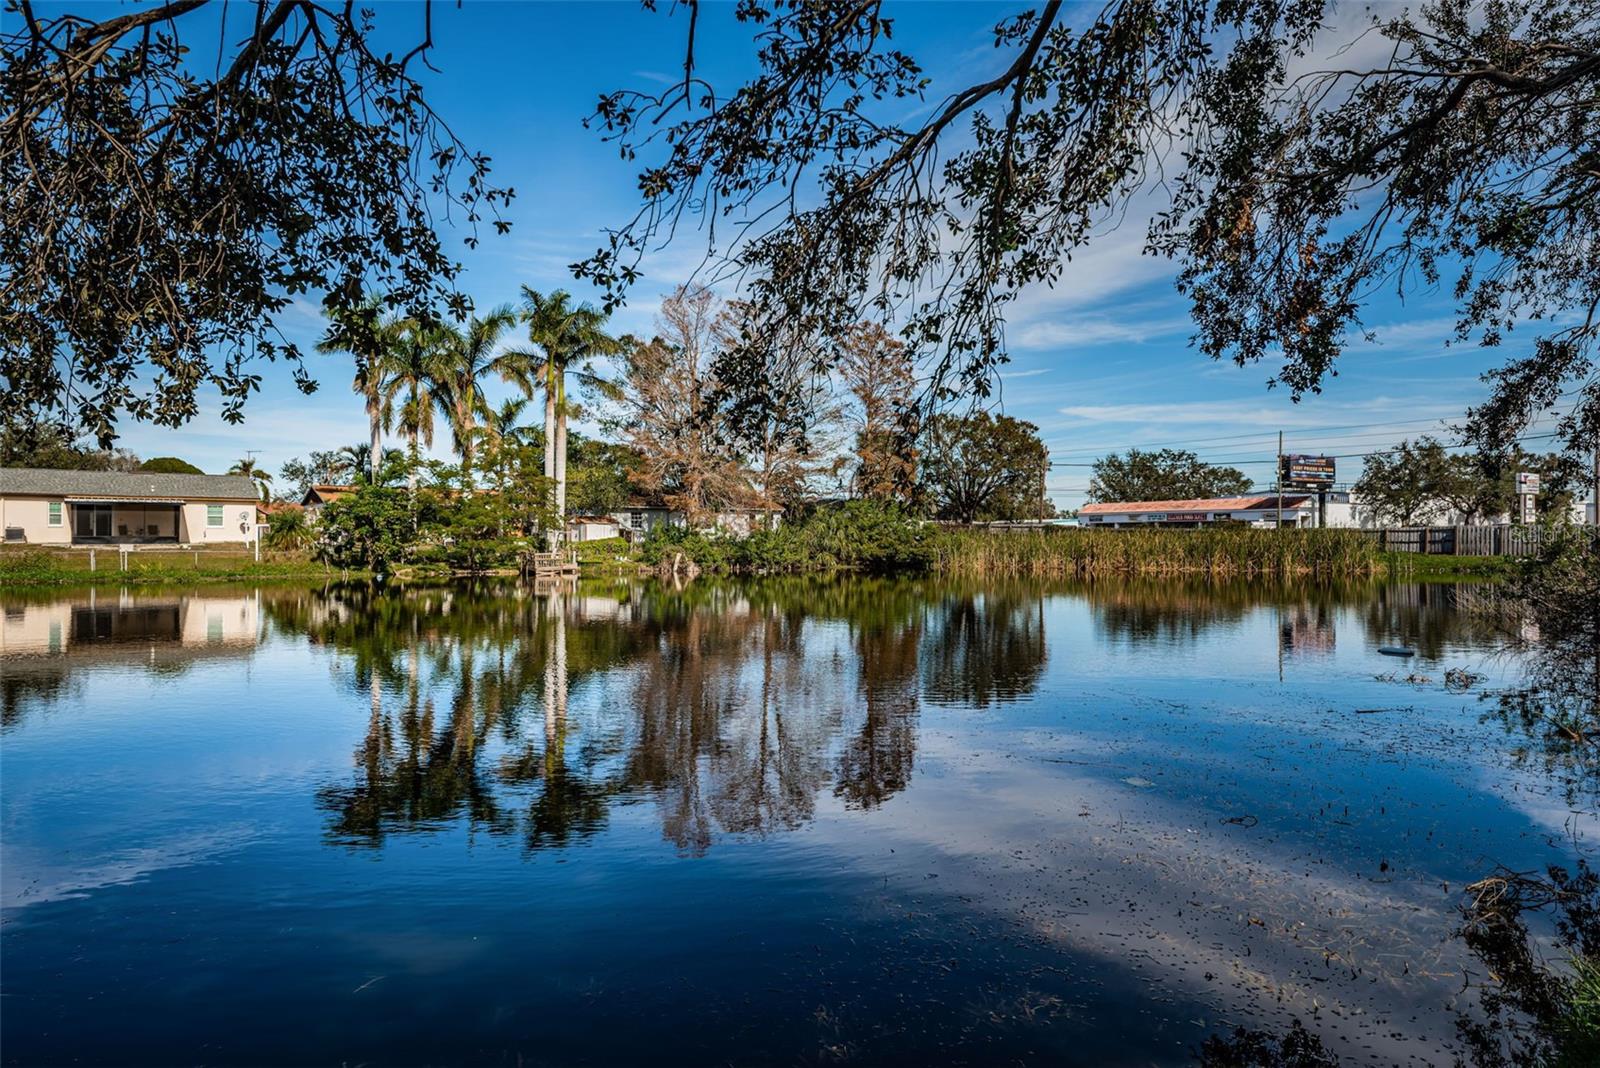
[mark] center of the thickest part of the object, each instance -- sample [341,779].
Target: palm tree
[565,337]
[358,458]
[503,425]
[414,386]
[252,470]
[469,355]
[372,340]
[287,528]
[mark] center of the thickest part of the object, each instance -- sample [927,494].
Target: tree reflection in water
[735,708]
[732,708]
[985,647]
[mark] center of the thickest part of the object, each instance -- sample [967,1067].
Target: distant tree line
[1414,481]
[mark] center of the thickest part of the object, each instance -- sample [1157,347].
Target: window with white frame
[56,508]
[213,515]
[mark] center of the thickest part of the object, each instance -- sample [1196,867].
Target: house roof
[325,493]
[637,505]
[136,485]
[1196,504]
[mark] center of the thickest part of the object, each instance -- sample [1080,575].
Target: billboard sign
[1306,472]
[1527,482]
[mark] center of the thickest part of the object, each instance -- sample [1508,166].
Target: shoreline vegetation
[881,540]
[1232,552]
[40,567]
[852,539]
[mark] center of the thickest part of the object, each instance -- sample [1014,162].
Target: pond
[775,821]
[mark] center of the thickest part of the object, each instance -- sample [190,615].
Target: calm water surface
[773,822]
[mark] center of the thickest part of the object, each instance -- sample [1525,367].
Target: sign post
[1527,497]
[1280,480]
[1303,472]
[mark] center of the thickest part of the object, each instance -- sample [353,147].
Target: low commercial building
[1258,510]
[44,506]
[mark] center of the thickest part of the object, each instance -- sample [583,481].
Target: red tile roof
[1200,504]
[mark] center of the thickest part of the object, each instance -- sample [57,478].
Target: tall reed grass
[1085,552]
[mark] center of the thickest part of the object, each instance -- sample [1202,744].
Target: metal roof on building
[1199,504]
[117,485]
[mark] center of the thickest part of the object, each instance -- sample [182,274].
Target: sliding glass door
[91,521]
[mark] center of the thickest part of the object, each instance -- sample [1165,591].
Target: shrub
[870,536]
[370,528]
[28,567]
[857,535]
[288,528]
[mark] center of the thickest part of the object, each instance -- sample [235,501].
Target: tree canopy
[1165,475]
[179,174]
[1291,174]
[983,467]
[170,465]
[26,441]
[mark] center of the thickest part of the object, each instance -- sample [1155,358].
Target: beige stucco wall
[192,529]
[32,514]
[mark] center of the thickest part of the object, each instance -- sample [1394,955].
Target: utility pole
[1043,470]
[1280,480]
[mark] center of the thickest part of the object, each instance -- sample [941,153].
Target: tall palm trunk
[550,424]
[561,461]
[411,437]
[375,426]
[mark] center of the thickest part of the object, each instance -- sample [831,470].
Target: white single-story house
[45,506]
[592,527]
[638,519]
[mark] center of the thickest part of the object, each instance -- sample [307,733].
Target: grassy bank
[44,567]
[1083,553]
[1420,567]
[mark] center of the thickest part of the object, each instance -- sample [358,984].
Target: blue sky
[1100,362]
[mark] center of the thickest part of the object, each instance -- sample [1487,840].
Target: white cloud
[1085,331]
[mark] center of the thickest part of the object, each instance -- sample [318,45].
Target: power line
[1245,439]
[1334,456]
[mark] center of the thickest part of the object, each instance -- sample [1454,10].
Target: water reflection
[985,647]
[45,641]
[502,708]
[733,708]
[1008,821]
